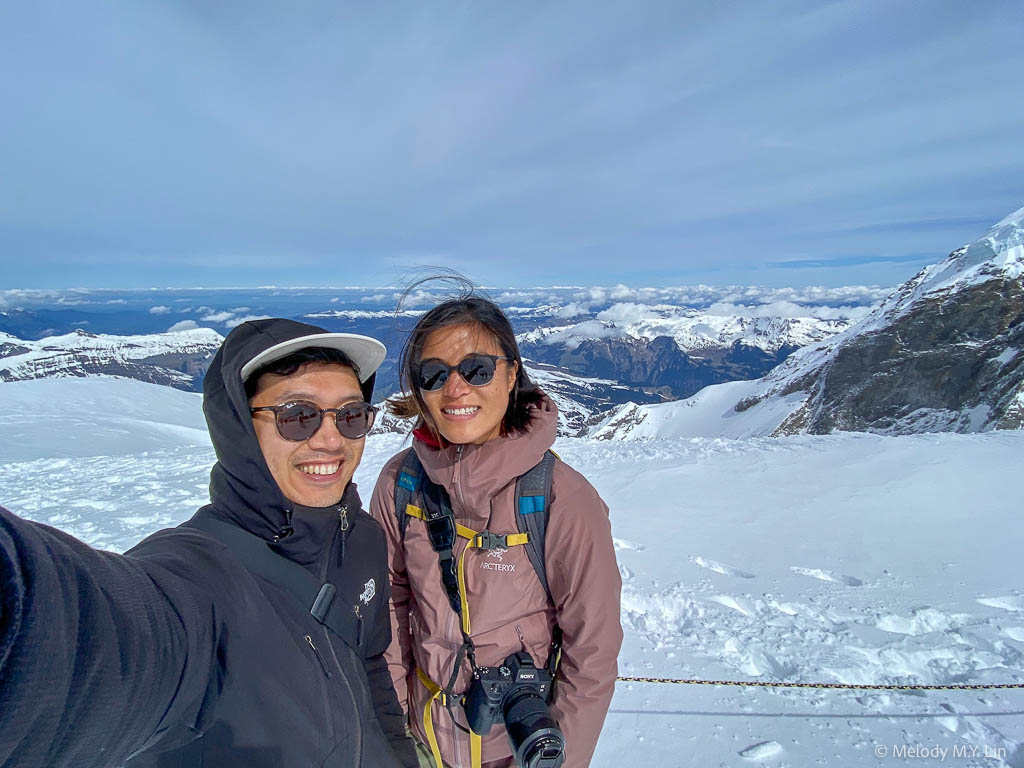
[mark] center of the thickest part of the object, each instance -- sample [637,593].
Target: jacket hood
[241,486]
[472,474]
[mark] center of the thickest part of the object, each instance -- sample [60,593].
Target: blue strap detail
[530,504]
[407,481]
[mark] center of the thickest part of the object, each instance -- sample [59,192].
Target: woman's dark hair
[465,310]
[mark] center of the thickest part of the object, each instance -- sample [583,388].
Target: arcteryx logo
[498,553]
[369,590]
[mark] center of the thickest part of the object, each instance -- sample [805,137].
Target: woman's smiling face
[463,413]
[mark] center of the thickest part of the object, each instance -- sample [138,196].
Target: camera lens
[534,735]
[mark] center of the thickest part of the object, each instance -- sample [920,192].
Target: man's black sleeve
[385,701]
[98,651]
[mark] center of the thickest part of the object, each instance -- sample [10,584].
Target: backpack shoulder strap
[256,556]
[533,491]
[408,482]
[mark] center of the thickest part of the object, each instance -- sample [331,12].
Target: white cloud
[529,298]
[591,329]
[625,313]
[620,292]
[184,325]
[160,310]
[240,310]
[571,309]
[217,317]
[786,309]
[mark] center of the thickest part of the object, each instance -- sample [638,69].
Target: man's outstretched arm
[98,651]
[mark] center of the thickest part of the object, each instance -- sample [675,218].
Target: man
[252,635]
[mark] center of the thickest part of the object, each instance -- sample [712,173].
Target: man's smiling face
[312,472]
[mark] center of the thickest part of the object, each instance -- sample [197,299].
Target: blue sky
[654,143]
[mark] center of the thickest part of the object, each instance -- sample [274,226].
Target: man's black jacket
[174,654]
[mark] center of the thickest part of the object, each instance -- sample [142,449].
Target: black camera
[519,692]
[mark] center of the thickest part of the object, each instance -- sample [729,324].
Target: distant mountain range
[177,359]
[674,350]
[944,352]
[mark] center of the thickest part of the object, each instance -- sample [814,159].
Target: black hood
[241,486]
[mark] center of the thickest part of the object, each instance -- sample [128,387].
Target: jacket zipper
[323,664]
[455,621]
[455,478]
[334,654]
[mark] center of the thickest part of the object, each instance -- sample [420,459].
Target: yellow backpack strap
[483,540]
[428,719]
[467,533]
[475,742]
[474,748]
[475,539]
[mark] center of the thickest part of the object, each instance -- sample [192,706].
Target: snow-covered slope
[842,558]
[62,418]
[174,358]
[942,353]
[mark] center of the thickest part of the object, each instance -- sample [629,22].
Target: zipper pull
[359,625]
[323,664]
[343,517]
[519,631]
[286,530]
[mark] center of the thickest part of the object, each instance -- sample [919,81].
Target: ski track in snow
[813,559]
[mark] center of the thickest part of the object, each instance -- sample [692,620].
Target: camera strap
[441,528]
[532,491]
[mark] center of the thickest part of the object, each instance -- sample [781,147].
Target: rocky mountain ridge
[177,359]
[941,353]
[677,350]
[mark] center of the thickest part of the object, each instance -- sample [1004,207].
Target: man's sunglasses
[476,370]
[299,420]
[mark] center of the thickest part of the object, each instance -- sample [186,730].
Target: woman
[481,425]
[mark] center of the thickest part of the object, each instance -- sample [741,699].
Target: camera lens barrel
[533,734]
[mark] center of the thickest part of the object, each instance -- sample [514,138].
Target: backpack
[533,489]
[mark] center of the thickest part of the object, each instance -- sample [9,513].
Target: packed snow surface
[847,558]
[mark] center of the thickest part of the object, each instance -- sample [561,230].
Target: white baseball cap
[366,353]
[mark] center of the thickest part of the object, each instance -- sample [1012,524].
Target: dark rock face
[10,350]
[192,365]
[658,364]
[949,364]
[85,366]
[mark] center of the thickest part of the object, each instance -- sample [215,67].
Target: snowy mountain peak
[1017,218]
[941,353]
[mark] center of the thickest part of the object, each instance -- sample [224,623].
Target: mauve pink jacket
[507,605]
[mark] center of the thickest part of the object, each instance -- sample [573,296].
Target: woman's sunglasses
[299,420]
[476,370]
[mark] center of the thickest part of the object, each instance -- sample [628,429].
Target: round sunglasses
[299,420]
[476,370]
